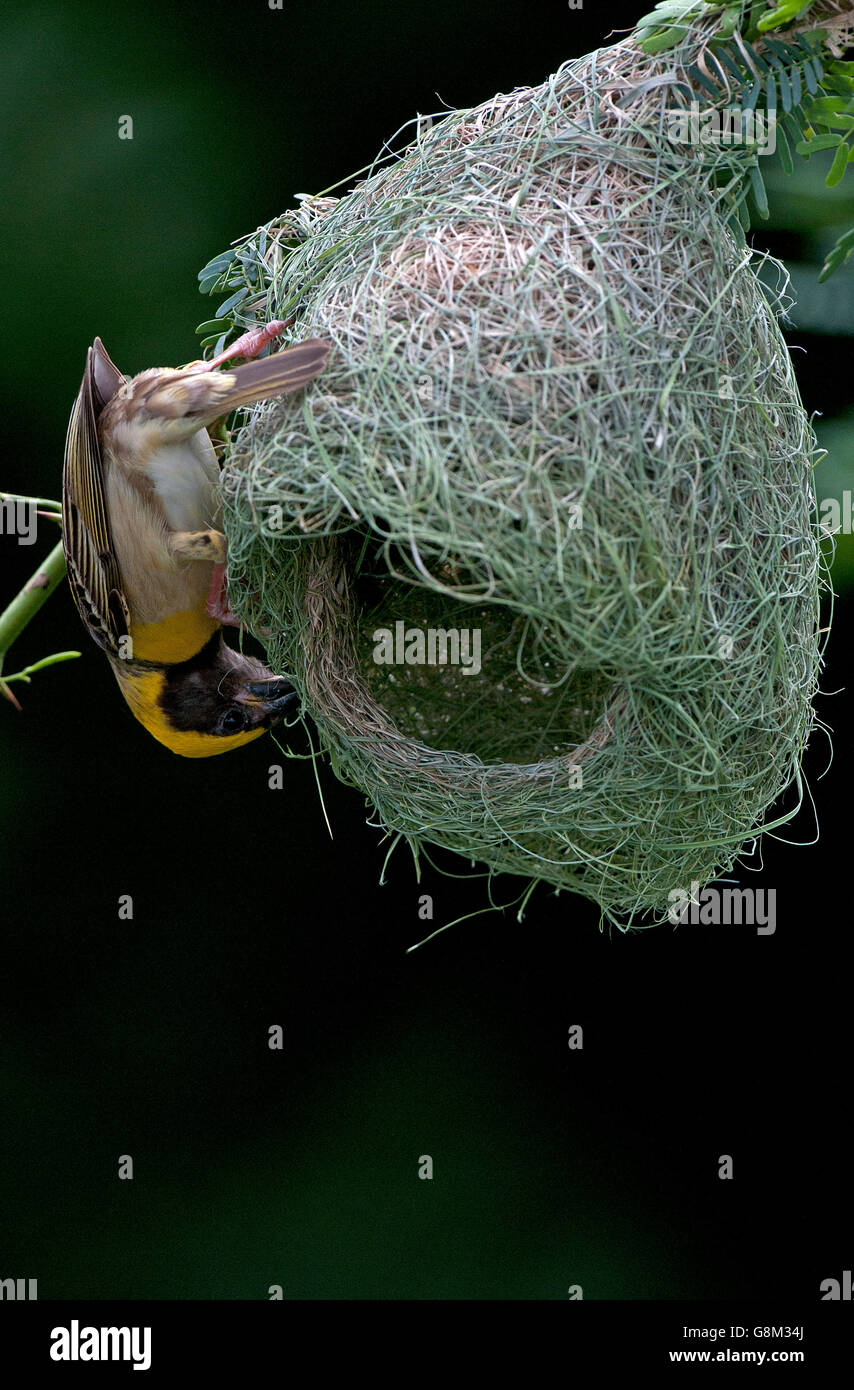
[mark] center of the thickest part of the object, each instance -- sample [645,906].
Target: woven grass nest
[560,412]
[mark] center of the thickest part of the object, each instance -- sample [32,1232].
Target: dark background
[149,1037]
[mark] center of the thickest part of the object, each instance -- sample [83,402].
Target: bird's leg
[198,545]
[210,546]
[213,547]
[251,344]
[217,605]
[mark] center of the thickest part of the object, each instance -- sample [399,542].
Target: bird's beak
[274,693]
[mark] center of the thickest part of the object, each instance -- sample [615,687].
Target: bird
[144,547]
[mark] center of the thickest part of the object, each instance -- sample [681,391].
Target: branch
[24,608]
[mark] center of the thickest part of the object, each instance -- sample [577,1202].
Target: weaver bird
[146,556]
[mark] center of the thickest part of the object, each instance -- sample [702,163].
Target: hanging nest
[559,412]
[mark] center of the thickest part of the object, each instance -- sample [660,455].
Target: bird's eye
[233,721]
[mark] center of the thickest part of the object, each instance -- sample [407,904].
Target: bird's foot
[199,545]
[251,343]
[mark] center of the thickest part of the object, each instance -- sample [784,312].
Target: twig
[24,608]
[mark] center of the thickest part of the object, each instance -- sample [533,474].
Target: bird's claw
[251,343]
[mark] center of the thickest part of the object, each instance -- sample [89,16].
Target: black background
[149,1037]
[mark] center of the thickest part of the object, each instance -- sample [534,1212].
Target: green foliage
[236,270]
[751,18]
[746,67]
[667,24]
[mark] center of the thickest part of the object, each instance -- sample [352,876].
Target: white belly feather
[185,477]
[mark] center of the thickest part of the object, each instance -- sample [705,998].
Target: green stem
[27,603]
[48,503]
[42,665]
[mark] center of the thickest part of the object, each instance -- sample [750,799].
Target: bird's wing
[93,569]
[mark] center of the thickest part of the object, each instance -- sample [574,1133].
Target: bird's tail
[203,396]
[277,375]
